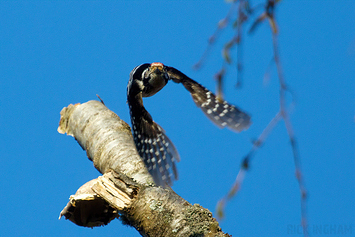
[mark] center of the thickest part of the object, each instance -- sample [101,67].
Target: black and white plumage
[157,151]
[155,148]
[219,111]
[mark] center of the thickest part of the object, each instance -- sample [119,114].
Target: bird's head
[148,79]
[155,78]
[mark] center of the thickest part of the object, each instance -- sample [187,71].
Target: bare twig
[283,113]
[221,25]
[219,78]
[243,12]
[100,99]
[288,125]
[245,165]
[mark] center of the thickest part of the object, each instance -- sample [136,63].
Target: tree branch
[126,190]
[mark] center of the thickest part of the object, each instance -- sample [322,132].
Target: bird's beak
[157,68]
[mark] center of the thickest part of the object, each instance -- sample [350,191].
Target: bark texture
[126,190]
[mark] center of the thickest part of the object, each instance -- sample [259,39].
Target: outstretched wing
[158,152]
[217,110]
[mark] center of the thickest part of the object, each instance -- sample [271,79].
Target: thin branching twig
[221,25]
[293,142]
[245,165]
[244,12]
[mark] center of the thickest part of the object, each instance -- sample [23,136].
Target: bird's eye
[166,76]
[145,73]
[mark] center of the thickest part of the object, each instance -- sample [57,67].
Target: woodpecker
[153,145]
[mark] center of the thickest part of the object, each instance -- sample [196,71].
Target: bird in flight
[156,149]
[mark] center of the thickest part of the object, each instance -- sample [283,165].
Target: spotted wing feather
[157,151]
[217,110]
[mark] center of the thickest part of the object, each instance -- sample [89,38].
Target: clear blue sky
[53,53]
